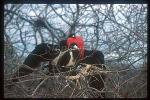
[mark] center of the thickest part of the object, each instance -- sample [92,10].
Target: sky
[62,25]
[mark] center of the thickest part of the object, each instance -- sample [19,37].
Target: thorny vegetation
[119,31]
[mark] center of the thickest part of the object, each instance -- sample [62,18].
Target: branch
[39,86]
[85,71]
[19,16]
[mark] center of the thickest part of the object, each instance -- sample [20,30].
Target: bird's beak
[75,47]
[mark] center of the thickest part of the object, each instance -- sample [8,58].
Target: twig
[23,81]
[39,86]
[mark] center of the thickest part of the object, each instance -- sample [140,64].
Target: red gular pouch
[78,40]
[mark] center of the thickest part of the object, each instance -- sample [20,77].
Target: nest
[60,85]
